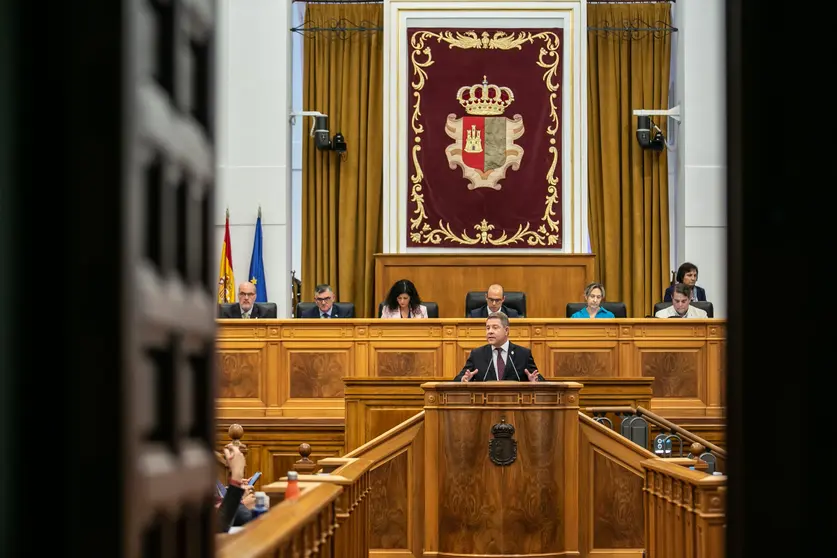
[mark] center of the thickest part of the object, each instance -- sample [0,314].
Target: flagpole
[260,211]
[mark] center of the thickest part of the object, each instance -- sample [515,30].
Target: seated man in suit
[324,297]
[245,307]
[680,307]
[494,299]
[500,359]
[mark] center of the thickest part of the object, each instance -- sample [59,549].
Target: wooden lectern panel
[476,506]
[374,405]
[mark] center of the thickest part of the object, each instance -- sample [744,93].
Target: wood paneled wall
[549,281]
[295,368]
[273,443]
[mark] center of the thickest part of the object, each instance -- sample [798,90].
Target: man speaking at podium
[500,359]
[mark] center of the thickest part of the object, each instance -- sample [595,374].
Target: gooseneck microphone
[490,363]
[511,358]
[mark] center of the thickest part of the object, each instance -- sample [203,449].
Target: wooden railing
[353,476]
[684,511]
[396,506]
[691,448]
[371,501]
[304,526]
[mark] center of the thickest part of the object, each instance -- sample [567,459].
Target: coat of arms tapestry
[484,138]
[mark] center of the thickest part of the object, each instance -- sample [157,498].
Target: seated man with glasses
[246,306]
[494,298]
[324,297]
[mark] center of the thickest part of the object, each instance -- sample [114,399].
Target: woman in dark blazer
[687,273]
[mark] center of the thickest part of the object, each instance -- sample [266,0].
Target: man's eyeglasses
[246,294]
[495,300]
[322,299]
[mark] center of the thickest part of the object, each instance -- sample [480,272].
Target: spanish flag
[226,280]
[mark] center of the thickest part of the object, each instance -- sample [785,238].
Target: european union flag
[257,263]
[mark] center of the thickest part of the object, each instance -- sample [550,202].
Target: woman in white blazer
[403,301]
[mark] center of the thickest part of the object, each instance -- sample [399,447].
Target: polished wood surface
[475,507]
[549,281]
[685,511]
[374,405]
[396,501]
[353,476]
[302,527]
[295,368]
[610,504]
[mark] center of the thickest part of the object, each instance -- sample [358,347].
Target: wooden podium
[501,469]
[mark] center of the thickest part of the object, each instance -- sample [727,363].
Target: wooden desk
[550,281]
[295,368]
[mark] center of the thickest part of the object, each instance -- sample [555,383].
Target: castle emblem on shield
[484,140]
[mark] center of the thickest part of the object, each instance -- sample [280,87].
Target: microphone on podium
[511,358]
[485,374]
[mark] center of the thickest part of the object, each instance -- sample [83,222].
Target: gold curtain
[342,200]
[628,186]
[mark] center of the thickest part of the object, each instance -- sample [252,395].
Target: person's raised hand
[235,462]
[533,376]
[466,377]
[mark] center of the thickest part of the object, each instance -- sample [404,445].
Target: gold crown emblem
[482,99]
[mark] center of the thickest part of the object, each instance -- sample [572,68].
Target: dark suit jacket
[234,311]
[482,312]
[315,313]
[229,508]
[700,294]
[519,358]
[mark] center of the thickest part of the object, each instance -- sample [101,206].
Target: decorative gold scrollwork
[548,233]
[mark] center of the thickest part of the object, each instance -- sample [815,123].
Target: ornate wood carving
[388,504]
[406,363]
[317,374]
[239,373]
[300,365]
[617,495]
[675,373]
[592,363]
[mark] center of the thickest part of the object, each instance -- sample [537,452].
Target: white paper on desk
[234,530]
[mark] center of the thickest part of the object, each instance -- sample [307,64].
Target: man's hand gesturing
[466,377]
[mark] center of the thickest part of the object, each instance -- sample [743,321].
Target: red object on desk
[292,491]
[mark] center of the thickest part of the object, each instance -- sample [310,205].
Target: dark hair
[403,286]
[322,287]
[684,289]
[684,268]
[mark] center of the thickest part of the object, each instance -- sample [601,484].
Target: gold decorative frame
[548,233]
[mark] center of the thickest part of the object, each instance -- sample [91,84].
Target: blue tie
[326,315]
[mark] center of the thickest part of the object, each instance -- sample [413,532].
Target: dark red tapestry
[484,138]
